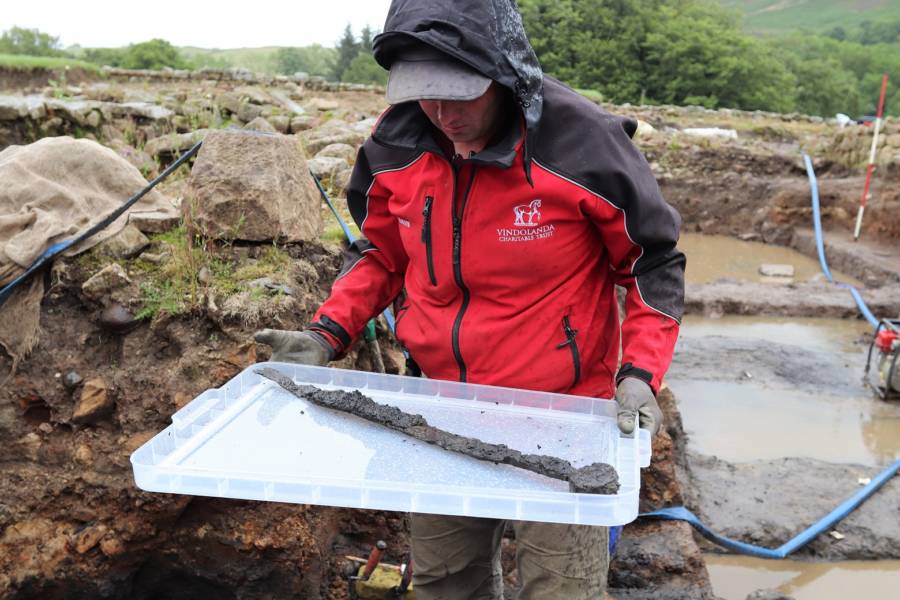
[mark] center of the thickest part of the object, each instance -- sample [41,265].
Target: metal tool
[884,352]
[398,592]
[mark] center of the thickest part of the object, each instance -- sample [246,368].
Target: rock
[322,104]
[71,380]
[317,139]
[324,167]
[112,546]
[711,132]
[345,151]
[769,595]
[365,126]
[644,128]
[775,270]
[281,123]
[167,146]
[253,187]
[89,537]
[230,101]
[260,124]
[109,278]
[341,180]
[248,112]
[155,258]
[115,318]
[302,123]
[154,222]
[94,404]
[128,243]
[84,455]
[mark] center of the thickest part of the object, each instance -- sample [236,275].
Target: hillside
[258,60]
[781,16]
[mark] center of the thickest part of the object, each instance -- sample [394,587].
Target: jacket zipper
[458,213]
[426,238]
[573,346]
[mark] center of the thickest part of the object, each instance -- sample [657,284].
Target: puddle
[734,577]
[711,257]
[740,422]
[837,335]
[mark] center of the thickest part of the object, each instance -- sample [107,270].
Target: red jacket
[505,281]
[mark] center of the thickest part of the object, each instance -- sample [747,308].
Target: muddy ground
[73,525]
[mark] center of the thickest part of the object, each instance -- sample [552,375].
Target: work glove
[301,347]
[636,399]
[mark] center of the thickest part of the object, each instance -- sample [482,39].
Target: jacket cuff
[333,333]
[629,370]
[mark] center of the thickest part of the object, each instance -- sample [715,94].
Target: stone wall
[851,145]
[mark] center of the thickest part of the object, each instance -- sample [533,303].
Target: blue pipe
[820,245]
[680,513]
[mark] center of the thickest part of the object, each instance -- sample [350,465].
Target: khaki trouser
[457,558]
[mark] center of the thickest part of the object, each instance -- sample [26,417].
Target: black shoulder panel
[581,142]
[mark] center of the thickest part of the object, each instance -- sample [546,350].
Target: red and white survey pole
[871,168]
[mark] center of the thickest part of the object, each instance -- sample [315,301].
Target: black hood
[485,34]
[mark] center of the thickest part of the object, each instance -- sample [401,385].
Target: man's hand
[302,347]
[634,398]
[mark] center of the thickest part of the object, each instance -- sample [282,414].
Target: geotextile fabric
[53,190]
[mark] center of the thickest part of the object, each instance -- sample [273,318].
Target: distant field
[258,60]
[783,16]
[17,61]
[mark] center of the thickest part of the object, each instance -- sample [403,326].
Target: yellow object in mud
[380,582]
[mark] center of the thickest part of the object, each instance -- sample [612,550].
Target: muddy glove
[634,398]
[301,347]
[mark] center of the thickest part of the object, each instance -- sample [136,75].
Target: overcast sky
[108,23]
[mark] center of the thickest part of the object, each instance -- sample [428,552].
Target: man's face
[466,121]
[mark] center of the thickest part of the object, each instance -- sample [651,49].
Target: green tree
[662,51]
[347,49]
[111,57]
[364,69]
[367,39]
[30,42]
[155,54]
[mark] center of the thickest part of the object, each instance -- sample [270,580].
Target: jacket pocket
[573,347]
[426,238]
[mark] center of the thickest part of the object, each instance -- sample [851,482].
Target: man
[498,210]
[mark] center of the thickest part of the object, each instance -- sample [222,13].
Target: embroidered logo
[528,215]
[527,225]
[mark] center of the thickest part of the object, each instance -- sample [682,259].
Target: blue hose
[680,513]
[820,245]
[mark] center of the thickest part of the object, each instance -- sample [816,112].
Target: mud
[597,478]
[796,300]
[876,263]
[779,498]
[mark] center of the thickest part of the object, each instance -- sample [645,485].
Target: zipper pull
[570,334]
[426,223]
[457,227]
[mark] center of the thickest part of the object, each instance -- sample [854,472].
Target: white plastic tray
[250,439]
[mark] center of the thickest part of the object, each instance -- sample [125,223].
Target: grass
[592,95]
[27,63]
[179,285]
[785,16]
[258,60]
